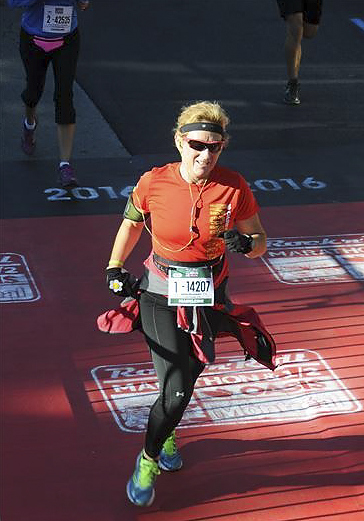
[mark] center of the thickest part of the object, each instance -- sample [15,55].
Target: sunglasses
[212,146]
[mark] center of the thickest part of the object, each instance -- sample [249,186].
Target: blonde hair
[204,111]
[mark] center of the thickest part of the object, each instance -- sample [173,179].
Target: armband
[130,212]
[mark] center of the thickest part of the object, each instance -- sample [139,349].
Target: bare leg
[28,141]
[309,30]
[65,140]
[294,25]
[66,133]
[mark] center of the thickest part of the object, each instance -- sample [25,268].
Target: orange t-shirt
[166,196]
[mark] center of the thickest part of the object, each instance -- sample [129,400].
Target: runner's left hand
[237,242]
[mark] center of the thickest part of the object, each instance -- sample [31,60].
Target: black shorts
[311,9]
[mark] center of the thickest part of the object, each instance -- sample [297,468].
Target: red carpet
[257,445]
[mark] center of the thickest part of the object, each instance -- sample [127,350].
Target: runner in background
[195,209]
[302,19]
[49,34]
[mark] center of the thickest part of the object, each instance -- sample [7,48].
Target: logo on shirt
[219,218]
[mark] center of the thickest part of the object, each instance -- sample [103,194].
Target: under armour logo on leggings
[179,394]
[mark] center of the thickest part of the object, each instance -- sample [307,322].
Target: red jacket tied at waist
[241,322]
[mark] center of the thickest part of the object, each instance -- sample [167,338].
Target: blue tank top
[47,18]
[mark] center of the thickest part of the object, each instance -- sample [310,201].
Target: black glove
[122,283]
[237,242]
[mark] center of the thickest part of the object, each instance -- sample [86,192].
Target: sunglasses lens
[197,145]
[214,147]
[200,146]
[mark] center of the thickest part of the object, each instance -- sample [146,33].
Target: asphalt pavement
[139,65]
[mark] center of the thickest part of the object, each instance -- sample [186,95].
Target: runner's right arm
[125,241]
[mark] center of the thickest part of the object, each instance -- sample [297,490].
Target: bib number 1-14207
[189,286]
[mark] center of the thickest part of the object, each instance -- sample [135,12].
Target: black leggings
[176,366]
[64,62]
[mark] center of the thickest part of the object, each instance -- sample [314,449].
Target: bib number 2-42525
[57,19]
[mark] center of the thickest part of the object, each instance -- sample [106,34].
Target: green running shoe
[169,458]
[140,488]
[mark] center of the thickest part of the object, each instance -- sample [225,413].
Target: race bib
[189,286]
[57,18]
